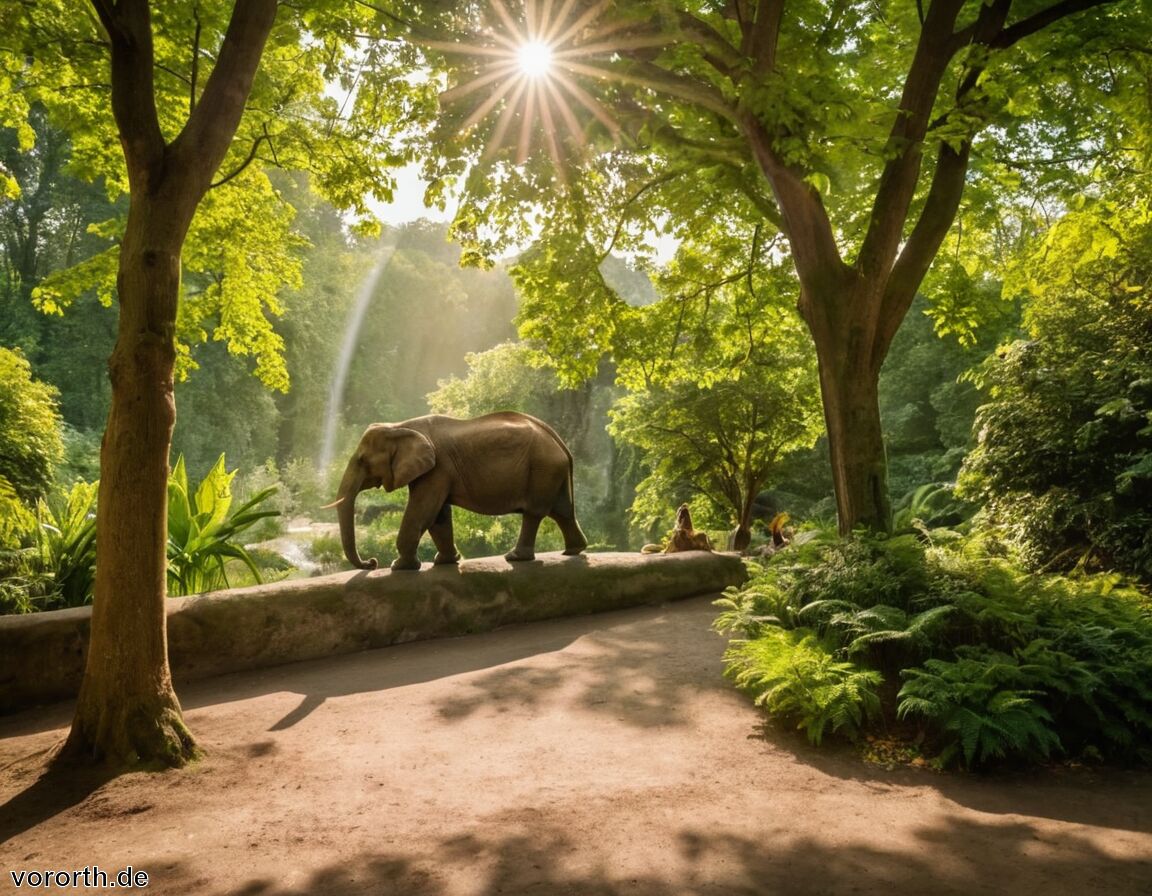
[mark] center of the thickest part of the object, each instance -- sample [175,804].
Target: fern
[980,718]
[997,663]
[749,609]
[793,675]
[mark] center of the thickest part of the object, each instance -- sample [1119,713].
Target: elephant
[499,463]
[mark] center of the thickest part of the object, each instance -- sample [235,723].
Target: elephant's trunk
[350,486]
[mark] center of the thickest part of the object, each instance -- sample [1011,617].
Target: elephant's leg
[408,539]
[441,532]
[526,547]
[574,540]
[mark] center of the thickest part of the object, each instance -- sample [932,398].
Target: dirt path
[593,756]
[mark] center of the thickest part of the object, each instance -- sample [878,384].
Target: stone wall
[42,655]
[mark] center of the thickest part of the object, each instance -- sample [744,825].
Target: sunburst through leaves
[521,74]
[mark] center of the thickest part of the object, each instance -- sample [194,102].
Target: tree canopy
[849,129]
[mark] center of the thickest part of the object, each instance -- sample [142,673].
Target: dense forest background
[438,337]
[434,337]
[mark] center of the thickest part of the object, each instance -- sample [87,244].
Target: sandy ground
[601,755]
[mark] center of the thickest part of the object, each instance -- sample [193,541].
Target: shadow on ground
[956,858]
[53,792]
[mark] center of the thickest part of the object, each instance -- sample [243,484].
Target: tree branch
[129,28]
[719,47]
[644,188]
[204,141]
[804,219]
[934,51]
[760,40]
[195,67]
[1041,20]
[248,160]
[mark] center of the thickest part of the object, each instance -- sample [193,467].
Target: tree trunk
[851,338]
[856,445]
[127,711]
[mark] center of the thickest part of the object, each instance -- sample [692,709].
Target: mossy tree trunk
[127,712]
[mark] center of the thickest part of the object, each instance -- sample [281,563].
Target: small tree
[720,442]
[722,381]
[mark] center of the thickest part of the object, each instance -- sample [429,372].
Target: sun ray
[667,86]
[481,111]
[504,70]
[544,21]
[505,120]
[585,18]
[588,101]
[509,22]
[550,33]
[635,43]
[447,46]
[524,144]
[535,56]
[550,132]
[566,113]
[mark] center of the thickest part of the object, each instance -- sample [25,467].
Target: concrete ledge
[42,655]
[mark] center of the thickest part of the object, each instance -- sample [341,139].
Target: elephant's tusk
[335,503]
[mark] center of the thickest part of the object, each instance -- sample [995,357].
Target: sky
[408,200]
[408,205]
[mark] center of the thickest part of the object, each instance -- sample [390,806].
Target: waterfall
[344,359]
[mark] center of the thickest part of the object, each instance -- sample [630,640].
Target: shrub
[65,542]
[795,674]
[30,442]
[996,662]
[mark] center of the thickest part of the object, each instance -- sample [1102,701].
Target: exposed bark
[127,711]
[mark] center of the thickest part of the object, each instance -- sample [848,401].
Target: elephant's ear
[414,456]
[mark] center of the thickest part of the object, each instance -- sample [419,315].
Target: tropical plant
[203,529]
[65,543]
[15,518]
[972,702]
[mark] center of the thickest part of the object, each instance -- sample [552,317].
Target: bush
[996,663]
[1064,456]
[49,559]
[66,545]
[30,441]
[794,673]
[51,562]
